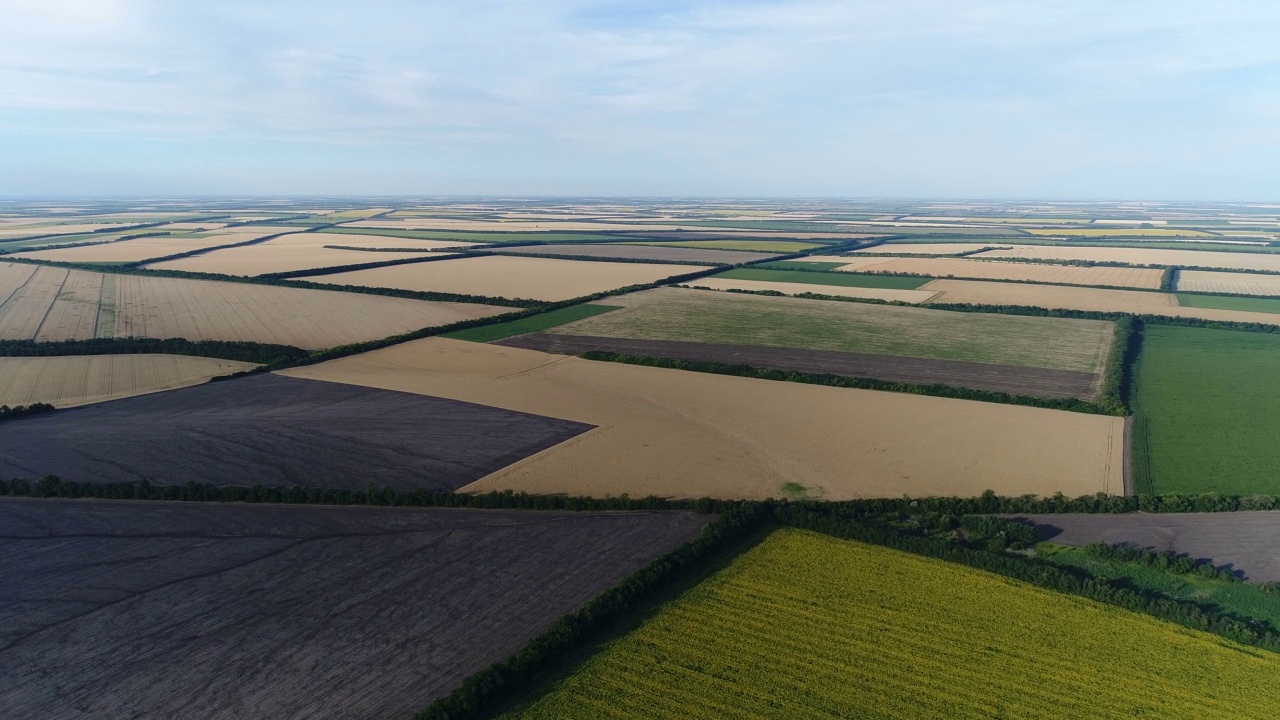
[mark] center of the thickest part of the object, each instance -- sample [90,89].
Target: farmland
[279,611]
[1205,416]
[932,248]
[1023,272]
[68,381]
[145,248]
[669,253]
[824,278]
[1120,232]
[277,257]
[694,434]
[511,277]
[799,288]
[1142,256]
[730,318]
[1228,282]
[806,625]
[1229,302]
[278,431]
[760,246]
[52,303]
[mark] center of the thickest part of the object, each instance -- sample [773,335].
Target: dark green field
[535,323]
[799,265]
[1228,302]
[827,278]
[1206,415]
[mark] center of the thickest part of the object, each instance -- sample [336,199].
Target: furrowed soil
[810,626]
[511,277]
[271,430]
[145,248]
[980,376]
[78,380]
[738,319]
[1231,283]
[182,610]
[686,434]
[643,252]
[799,288]
[1026,272]
[1142,256]
[1244,540]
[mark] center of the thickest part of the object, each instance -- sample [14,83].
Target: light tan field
[1143,256]
[510,277]
[1121,232]
[1224,282]
[928,248]
[994,270]
[9,231]
[1078,298]
[79,380]
[144,248]
[369,241]
[51,303]
[511,225]
[301,251]
[685,434]
[786,288]
[188,226]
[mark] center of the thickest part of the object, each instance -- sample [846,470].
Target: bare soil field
[145,248]
[1245,540]
[1232,283]
[272,430]
[981,376]
[715,283]
[929,248]
[686,434]
[644,252]
[1091,299]
[1143,256]
[1025,272]
[183,610]
[82,379]
[511,277]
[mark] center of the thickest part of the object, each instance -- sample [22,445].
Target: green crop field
[799,265]
[809,626]
[743,319]
[825,278]
[534,323]
[770,246]
[1205,412]
[1228,302]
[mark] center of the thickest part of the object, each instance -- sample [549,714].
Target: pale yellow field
[1121,232]
[1079,298]
[1227,282]
[321,239]
[994,270]
[786,288]
[51,303]
[928,248]
[1143,256]
[303,251]
[511,225]
[510,277]
[189,226]
[10,231]
[685,434]
[144,248]
[79,380]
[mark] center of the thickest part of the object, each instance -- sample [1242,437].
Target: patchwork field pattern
[690,435]
[1231,283]
[146,248]
[276,431]
[1205,417]
[80,379]
[810,626]
[1023,272]
[511,277]
[759,246]
[287,612]
[643,252]
[1143,256]
[740,319]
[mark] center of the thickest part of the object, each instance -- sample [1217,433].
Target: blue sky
[1161,99]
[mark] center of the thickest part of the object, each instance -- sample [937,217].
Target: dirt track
[274,430]
[1246,540]
[982,376]
[176,610]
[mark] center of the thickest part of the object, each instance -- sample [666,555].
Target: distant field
[1143,256]
[511,277]
[535,323]
[800,265]
[911,247]
[471,237]
[810,626]
[46,228]
[1228,282]
[795,288]
[52,303]
[1121,232]
[1227,302]
[145,248]
[1023,272]
[825,278]
[738,319]
[671,253]
[1205,412]
[77,380]
[759,246]
[303,251]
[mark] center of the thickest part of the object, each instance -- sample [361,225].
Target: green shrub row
[227,350]
[1167,561]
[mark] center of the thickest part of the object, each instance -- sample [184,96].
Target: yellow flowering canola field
[809,626]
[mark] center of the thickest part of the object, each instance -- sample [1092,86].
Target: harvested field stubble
[70,381]
[692,434]
[809,626]
[1143,256]
[145,248]
[287,612]
[1025,272]
[270,257]
[1231,283]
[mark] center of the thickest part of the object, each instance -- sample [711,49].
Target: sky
[1148,100]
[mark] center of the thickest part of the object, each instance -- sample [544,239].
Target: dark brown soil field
[1248,541]
[174,610]
[1039,382]
[273,430]
[642,252]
